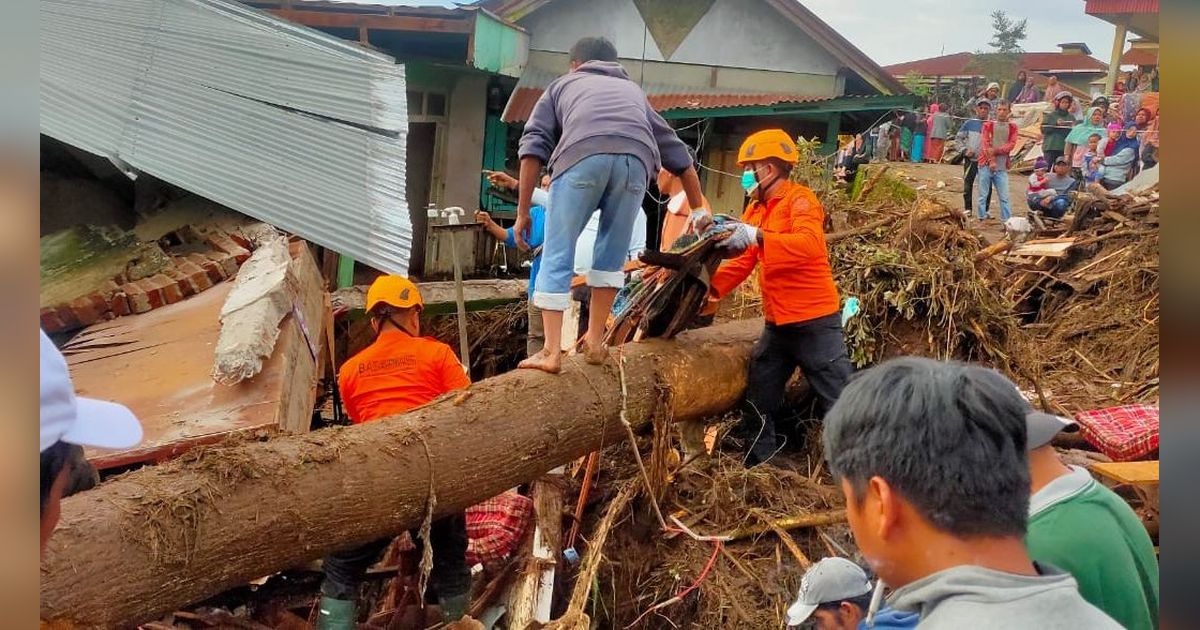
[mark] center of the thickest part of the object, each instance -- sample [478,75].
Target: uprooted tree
[162,537]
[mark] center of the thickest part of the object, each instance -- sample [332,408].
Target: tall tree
[1008,33]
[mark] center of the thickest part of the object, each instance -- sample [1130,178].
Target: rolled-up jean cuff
[552,301]
[606,279]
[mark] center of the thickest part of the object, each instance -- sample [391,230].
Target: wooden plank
[159,363]
[328,19]
[1129,472]
[299,365]
[1050,250]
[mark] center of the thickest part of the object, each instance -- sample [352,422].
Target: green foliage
[917,84]
[999,67]
[1007,33]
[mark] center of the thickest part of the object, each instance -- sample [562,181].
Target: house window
[426,106]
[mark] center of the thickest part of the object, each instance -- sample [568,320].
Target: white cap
[75,420]
[830,580]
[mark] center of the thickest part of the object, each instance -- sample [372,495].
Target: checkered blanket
[495,528]
[1123,433]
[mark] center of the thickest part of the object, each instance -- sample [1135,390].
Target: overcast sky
[893,32]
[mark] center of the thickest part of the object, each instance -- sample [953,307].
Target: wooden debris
[794,522]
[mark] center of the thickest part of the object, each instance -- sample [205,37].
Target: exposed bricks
[188,276]
[224,243]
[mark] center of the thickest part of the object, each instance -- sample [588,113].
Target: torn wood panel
[1051,249]
[301,345]
[158,364]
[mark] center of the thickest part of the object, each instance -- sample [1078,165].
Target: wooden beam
[328,19]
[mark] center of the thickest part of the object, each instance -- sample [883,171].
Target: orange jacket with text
[794,275]
[397,373]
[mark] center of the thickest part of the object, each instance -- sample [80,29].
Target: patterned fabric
[1123,433]
[495,528]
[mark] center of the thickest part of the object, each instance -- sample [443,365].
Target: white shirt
[587,241]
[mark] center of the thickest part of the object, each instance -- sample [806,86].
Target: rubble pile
[1091,312]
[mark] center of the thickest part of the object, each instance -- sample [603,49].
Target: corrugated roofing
[1094,7]
[1140,57]
[272,119]
[662,96]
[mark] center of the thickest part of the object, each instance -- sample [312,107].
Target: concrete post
[1114,63]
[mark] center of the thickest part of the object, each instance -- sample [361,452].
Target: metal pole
[464,347]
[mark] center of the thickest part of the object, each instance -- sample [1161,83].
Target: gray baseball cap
[830,580]
[1041,427]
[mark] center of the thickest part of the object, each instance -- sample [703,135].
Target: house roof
[663,97]
[807,21]
[1121,6]
[1138,56]
[958,64]
[280,122]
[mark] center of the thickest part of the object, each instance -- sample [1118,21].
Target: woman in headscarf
[1029,93]
[1122,164]
[939,129]
[920,125]
[1092,124]
[1014,90]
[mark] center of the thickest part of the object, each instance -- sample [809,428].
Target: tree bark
[166,536]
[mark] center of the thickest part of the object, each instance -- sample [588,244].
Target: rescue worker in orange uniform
[781,232]
[400,370]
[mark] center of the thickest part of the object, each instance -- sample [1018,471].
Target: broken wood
[261,297]
[530,598]
[992,250]
[792,522]
[870,184]
[195,527]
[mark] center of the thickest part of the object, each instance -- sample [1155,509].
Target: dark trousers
[970,171]
[450,575]
[1051,156]
[818,349]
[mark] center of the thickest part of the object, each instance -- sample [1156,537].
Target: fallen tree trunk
[162,537]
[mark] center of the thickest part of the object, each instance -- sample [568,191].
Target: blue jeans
[986,178]
[613,182]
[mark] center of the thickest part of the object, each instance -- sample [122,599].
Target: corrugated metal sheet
[280,122]
[662,96]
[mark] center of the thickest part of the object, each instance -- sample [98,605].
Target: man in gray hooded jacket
[932,460]
[600,138]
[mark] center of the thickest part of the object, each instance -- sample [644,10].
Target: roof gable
[841,50]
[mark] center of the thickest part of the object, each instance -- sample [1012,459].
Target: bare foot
[544,361]
[596,355]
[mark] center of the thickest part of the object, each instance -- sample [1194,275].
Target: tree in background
[918,84]
[1002,62]
[1007,34]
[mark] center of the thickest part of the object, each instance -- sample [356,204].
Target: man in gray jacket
[601,139]
[932,461]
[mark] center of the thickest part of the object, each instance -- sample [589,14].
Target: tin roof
[958,64]
[277,121]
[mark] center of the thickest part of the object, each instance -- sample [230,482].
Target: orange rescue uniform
[795,276]
[397,373]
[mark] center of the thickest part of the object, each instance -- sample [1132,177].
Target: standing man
[399,371]
[835,594]
[1056,125]
[968,137]
[931,458]
[996,141]
[534,336]
[601,140]
[781,232]
[1085,529]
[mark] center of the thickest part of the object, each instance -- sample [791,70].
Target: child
[1081,153]
[1092,159]
[1110,140]
[1037,181]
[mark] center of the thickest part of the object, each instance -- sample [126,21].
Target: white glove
[699,221]
[740,238]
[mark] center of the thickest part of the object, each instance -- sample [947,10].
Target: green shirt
[1054,138]
[1082,527]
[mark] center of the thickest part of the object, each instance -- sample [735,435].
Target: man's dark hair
[54,459]
[784,167]
[949,437]
[593,49]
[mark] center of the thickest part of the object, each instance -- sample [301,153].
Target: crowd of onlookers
[1105,141]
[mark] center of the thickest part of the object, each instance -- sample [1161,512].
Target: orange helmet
[768,143]
[396,291]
